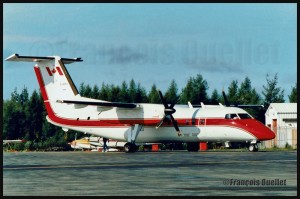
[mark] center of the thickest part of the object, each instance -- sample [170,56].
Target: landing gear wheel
[130,147]
[193,146]
[253,147]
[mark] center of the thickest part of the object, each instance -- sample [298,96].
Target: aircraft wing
[107,104]
[249,106]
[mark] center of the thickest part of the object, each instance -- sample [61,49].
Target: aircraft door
[202,127]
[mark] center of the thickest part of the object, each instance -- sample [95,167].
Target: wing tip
[12,57]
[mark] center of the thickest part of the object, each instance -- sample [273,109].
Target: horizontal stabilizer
[107,104]
[17,57]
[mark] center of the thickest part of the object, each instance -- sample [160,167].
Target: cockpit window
[237,116]
[231,116]
[244,116]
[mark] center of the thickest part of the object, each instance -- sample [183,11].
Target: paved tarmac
[163,173]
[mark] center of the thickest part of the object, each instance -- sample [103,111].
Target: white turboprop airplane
[139,122]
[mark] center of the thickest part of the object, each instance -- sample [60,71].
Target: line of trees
[24,116]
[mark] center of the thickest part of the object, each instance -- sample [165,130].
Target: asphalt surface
[163,173]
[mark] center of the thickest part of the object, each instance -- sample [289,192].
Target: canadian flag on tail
[51,72]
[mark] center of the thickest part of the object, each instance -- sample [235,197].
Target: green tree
[95,92]
[215,97]
[15,96]
[124,94]
[246,94]
[293,95]
[25,122]
[201,88]
[104,92]
[171,94]
[13,118]
[132,90]
[232,95]
[187,92]
[35,118]
[271,92]
[81,89]
[24,97]
[9,119]
[195,91]
[140,96]
[153,95]
[87,91]
[114,94]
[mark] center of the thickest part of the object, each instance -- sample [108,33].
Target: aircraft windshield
[231,116]
[237,116]
[244,116]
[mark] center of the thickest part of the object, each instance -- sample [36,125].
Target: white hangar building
[282,119]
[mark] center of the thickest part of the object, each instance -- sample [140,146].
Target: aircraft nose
[257,129]
[262,132]
[269,134]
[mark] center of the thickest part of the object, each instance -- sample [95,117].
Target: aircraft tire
[256,147]
[130,148]
[253,148]
[193,146]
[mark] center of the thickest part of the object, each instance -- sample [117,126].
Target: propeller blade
[160,123]
[225,99]
[162,99]
[174,123]
[175,102]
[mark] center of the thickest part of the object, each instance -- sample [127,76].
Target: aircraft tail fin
[54,79]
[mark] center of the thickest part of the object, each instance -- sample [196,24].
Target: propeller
[225,99]
[169,110]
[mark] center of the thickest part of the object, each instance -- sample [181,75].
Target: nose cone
[267,133]
[261,131]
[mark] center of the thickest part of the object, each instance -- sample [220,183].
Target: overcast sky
[154,43]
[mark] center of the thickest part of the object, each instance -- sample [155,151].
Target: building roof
[284,107]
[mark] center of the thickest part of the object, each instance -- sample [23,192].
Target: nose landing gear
[253,147]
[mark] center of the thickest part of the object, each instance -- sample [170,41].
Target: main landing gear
[130,147]
[193,146]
